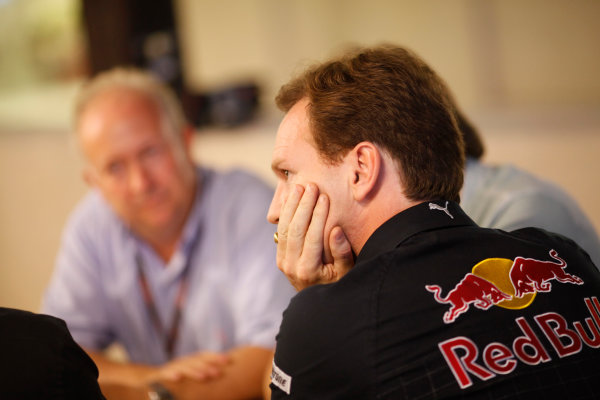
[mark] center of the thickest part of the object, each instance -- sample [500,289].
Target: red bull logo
[471,290]
[502,282]
[528,275]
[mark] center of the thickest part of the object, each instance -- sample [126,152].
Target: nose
[139,180]
[275,207]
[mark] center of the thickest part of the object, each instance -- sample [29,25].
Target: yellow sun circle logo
[497,271]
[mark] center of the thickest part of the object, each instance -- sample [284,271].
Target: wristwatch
[156,391]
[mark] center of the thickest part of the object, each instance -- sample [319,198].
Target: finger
[341,250]
[198,372]
[213,360]
[204,372]
[211,363]
[301,221]
[309,266]
[295,267]
[314,243]
[287,212]
[172,375]
[219,359]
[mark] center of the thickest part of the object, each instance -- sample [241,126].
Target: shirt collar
[422,217]
[193,223]
[192,229]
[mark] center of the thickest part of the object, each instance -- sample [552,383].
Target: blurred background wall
[525,72]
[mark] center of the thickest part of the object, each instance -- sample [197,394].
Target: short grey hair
[172,117]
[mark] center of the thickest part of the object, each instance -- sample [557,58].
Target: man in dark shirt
[369,162]
[40,360]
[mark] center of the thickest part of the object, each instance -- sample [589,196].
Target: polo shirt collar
[422,217]
[193,224]
[190,236]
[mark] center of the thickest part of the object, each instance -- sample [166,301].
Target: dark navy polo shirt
[437,307]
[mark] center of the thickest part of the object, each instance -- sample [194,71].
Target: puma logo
[433,206]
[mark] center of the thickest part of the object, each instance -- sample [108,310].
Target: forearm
[114,373]
[241,379]
[267,377]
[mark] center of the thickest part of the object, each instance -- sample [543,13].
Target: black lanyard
[169,337]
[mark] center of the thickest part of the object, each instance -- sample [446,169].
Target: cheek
[333,218]
[113,192]
[296,179]
[123,204]
[335,190]
[167,172]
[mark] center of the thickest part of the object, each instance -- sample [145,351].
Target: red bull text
[466,360]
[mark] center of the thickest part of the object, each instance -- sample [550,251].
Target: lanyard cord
[170,337]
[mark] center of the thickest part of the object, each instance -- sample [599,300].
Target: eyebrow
[275,167]
[276,163]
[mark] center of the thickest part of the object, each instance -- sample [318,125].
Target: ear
[366,167]
[88,176]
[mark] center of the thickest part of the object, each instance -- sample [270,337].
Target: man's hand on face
[201,366]
[302,253]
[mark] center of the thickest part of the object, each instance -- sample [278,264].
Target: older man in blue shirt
[173,261]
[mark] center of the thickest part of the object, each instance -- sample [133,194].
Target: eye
[281,173]
[152,151]
[115,169]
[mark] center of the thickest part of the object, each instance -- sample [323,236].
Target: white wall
[524,70]
[492,53]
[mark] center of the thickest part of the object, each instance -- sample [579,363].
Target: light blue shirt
[507,198]
[236,294]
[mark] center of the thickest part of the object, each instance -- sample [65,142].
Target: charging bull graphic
[515,284]
[528,275]
[471,290]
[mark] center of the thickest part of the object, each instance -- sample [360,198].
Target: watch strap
[157,391]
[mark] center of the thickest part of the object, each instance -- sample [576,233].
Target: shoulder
[492,180]
[306,309]
[236,196]
[44,361]
[93,240]
[564,245]
[92,212]
[43,328]
[93,228]
[507,184]
[234,208]
[509,198]
[309,327]
[327,309]
[329,325]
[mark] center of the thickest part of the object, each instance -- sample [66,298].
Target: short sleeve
[75,292]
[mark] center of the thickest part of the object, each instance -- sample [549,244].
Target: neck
[165,249]
[385,200]
[165,241]
[368,224]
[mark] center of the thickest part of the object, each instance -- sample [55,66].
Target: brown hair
[388,96]
[473,144]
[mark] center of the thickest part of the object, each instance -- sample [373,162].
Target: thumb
[343,259]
